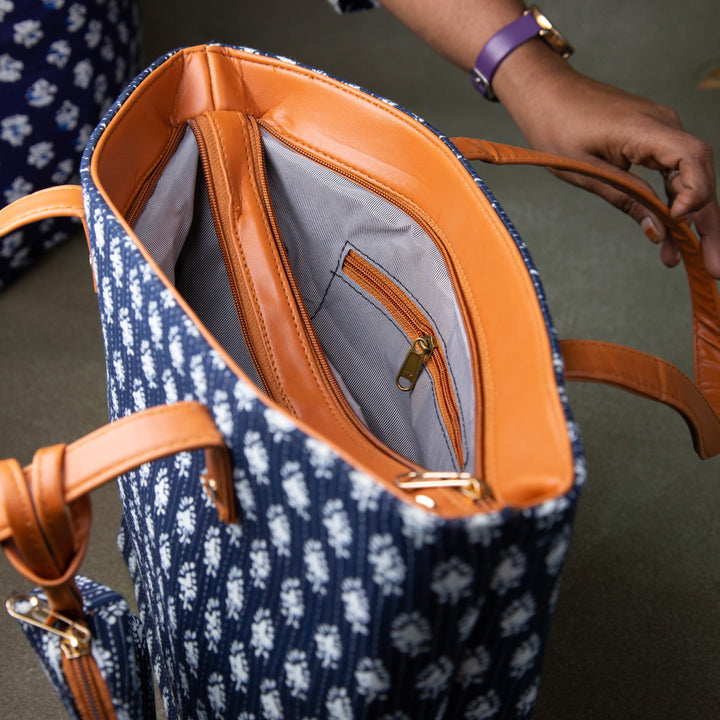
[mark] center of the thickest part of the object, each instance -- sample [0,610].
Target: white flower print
[556,555]
[82,137]
[41,93]
[452,580]
[187,580]
[155,323]
[262,633]
[357,607]
[165,552]
[257,457]
[338,704]
[59,53]
[292,605]
[235,599]
[245,494]
[64,171]
[222,412]
[216,694]
[56,4]
[182,464]
[14,129]
[139,402]
[316,567]
[100,91]
[245,396]
[279,527]
[474,666]
[297,674]
[483,529]
[270,700]
[509,571]
[260,564]
[239,666]
[484,707]
[83,74]
[104,659]
[213,624]
[169,387]
[177,351]
[418,526]
[434,679]
[365,491]
[27,33]
[10,243]
[524,657]
[6,6]
[192,651]
[40,154]
[527,700]
[373,680]
[387,563]
[213,551]
[93,36]
[328,646]
[76,17]
[322,458]
[185,520]
[411,634]
[148,363]
[296,490]
[466,624]
[10,68]
[517,615]
[279,424]
[197,373]
[547,514]
[338,527]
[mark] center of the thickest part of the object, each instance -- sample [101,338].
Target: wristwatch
[530,24]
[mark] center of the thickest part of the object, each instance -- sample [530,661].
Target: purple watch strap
[498,47]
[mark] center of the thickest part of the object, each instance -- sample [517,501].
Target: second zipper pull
[421,348]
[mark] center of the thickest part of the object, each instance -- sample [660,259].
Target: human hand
[566,113]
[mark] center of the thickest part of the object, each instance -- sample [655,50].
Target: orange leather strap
[643,374]
[58,201]
[121,446]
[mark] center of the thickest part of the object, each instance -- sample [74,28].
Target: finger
[670,254]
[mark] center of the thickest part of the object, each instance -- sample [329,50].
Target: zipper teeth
[315,346]
[415,324]
[88,687]
[146,190]
[215,212]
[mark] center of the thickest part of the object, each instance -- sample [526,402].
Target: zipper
[137,205]
[75,645]
[425,351]
[224,245]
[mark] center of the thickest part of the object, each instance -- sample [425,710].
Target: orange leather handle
[58,201]
[126,444]
[643,374]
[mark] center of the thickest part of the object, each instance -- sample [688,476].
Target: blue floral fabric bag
[61,66]
[330,278]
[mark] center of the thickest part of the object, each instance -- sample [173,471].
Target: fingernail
[650,228]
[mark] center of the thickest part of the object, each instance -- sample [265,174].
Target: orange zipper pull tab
[421,348]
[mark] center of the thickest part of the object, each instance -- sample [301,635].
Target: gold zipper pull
[421,348]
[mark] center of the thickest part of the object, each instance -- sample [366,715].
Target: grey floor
[637,627]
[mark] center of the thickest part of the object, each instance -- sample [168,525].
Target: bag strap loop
[642,374]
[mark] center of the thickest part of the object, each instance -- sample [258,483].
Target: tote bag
[330,278]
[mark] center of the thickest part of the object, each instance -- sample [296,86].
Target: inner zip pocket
[425,351]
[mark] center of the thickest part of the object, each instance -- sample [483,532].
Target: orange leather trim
[703,294]
[649,377]
[59,201]
[121,446]
[526,452]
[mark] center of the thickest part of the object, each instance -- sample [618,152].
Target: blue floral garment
[62,62]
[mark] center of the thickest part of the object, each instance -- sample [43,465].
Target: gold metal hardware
[211,486]
[421,348]
[74,637]
[550,34]
[470,486]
